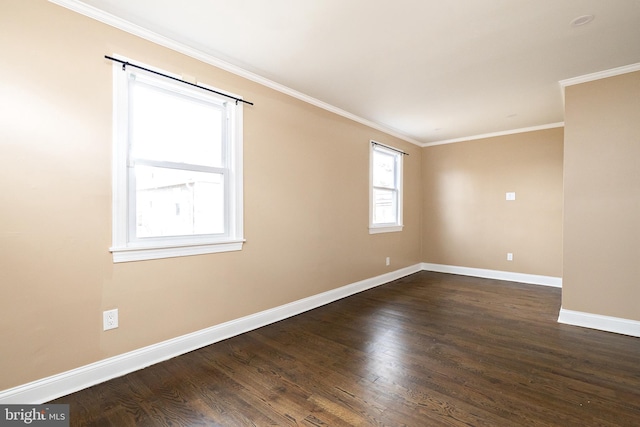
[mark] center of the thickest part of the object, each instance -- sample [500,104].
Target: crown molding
[136,30]
[600,75]
[597,76]
[492,134]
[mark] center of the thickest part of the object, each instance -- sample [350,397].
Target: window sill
[385,229]
[127,254]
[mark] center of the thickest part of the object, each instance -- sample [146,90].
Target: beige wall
[602,197]
[306,203]
[467,221]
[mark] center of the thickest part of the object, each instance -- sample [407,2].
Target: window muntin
[386,190]
[177,169]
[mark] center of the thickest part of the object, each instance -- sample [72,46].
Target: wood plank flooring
[430,349]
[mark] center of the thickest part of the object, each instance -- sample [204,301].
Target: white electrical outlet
[388,261]
[110,319]
[509,256]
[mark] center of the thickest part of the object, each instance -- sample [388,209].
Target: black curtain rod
[390,148]
[126,63]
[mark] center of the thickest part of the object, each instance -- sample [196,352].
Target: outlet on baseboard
[110,319]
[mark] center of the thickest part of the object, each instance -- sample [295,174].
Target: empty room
[320,213]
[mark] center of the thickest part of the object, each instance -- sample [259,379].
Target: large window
[177,169]
[385,207]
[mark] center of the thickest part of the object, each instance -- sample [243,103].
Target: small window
[385,208]
[177,169]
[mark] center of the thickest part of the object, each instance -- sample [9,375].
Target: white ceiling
[432,70]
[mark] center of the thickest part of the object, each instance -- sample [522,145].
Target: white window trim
[376,229]
[389,227]
[124,250]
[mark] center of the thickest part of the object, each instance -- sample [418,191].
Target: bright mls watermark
[34,415]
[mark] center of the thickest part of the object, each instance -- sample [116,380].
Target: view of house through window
[173,202]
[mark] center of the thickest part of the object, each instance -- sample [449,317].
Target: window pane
[384,173]
[172,202]
[172,127]
[385,206]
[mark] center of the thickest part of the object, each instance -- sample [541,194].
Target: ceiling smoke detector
[582,20]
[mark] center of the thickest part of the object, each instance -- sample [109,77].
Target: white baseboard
[533,279]
[600,322]
[59,385]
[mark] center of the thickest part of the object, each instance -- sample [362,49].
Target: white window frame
[126,247]
[375,228]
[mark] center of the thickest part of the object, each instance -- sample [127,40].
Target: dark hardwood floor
[427,350]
